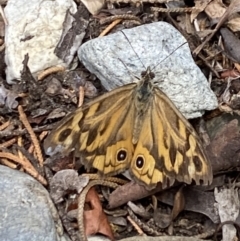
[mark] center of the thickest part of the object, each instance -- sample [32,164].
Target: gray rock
[26,210]
[158,45]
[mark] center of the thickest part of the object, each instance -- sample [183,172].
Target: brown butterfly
[135,127]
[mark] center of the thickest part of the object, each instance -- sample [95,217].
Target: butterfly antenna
[129,72]
[169,55]
[133,49]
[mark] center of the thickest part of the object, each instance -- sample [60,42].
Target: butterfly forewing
[99,132]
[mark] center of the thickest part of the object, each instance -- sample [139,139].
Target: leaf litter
[212,28]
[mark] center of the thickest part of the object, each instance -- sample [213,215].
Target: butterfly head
[147,75]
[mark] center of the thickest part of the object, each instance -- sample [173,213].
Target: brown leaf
[200,5]
[224,149]
[95,219]
[215,10]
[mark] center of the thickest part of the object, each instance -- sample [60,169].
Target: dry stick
[4,125]
[19,142]
[81,201]
[192,46]
[8,163]
[49,71]
[134,224]
[172,10]
[110,27]
[41,137]
[26,165]
[33,137]
[3,15]
[81,96]
[146,228]
[233,8]
[95,176]
[122,16]
[8,143]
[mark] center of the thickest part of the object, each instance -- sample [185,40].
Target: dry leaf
[200,5]
[231,45]
[95,219]
[196,201]
[65,181]
[215,10]
[234,23]
[8,98]
[93,6]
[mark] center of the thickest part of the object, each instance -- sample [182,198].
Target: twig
[134,224]
[172,10]
[145,227]
[41,137]
[81,96]
[232,8]
[122,16]
[19,142]
[8,143]
[8,163]
[33,137]
[3,15]
[94,176]
[49,71]
[4,125]
[110,27]
[26,165]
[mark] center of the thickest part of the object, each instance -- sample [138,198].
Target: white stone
[113,60]
[40,20]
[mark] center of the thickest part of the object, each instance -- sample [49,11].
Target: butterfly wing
[168,147]
[100,132]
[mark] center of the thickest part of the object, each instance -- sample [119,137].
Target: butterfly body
[134,127]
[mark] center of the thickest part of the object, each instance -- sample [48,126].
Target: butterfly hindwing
[168,148]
